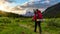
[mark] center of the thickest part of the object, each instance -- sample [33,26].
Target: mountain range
[52,12]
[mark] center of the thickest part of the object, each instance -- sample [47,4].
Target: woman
[37,18]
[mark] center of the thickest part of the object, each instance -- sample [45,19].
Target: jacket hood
[38,11]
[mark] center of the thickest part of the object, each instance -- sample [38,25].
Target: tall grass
[12,26]
[54,22]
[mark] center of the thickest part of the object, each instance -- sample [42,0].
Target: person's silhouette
[37,18]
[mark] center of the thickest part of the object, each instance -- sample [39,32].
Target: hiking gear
[38,15]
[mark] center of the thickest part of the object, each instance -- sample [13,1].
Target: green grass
[26,26]
[11,26]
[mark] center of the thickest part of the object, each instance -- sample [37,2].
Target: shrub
[5,20]
[54,22]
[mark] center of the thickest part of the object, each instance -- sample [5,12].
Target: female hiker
[37,18]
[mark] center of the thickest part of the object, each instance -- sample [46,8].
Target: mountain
[28,14]
[52,12]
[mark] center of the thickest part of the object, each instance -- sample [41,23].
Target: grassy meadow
[26,26]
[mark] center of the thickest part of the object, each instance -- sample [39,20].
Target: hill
[52,12]
[8,14]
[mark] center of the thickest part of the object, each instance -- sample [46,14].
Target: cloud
[35,0]
[10,6]
[39,3]
[47,1]
[36,4]
[6,5]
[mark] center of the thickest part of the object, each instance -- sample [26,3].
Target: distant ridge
[52,12]
[8,14]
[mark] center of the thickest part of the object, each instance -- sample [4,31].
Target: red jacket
[39,15]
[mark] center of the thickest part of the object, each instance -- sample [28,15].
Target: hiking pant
[38,23]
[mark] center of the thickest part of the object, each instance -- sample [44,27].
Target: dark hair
[34,11]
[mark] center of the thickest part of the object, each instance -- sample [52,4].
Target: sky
[8,5]
[20,2]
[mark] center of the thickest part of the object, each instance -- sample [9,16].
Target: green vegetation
[11,26]
[26,26]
